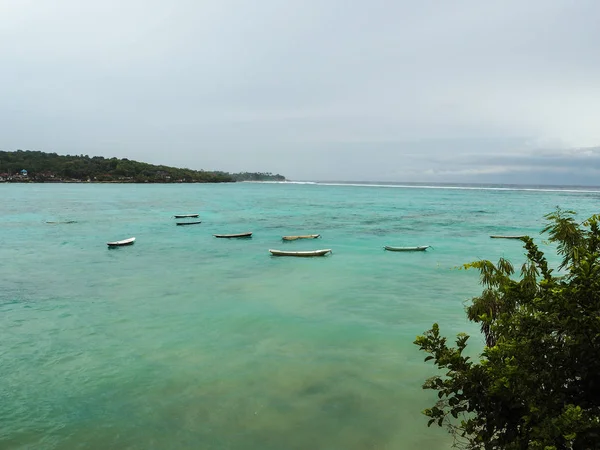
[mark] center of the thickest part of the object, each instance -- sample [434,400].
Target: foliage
[257,176]
[52,167]
[536,384]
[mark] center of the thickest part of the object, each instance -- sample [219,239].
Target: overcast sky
[463,90]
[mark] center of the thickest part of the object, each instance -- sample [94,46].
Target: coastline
[371,184]
[113,182]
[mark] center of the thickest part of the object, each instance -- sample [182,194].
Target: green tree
[53,167]
[537,382]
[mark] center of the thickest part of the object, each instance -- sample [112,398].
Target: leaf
[534,385]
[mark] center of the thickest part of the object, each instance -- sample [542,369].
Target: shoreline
[116,182]
[441,186]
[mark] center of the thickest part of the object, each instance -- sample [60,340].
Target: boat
[307,253]
[421,248]
[121,243]
[64,221]
[189,223]
[306,236]
[238,235]
[185,216]
[497,236]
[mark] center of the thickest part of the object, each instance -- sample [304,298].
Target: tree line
[46,167]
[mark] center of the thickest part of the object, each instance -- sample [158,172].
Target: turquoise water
[187,341]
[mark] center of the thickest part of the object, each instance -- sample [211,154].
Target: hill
[35,166]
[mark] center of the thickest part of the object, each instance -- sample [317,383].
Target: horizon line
[449,185]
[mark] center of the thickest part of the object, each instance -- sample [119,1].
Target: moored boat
[498,236]
[305,236]
[121,243]
[322,252]
[421,248]
[238,235]
[189,223]
[185,216]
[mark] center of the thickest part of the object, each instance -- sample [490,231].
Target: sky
[395,90]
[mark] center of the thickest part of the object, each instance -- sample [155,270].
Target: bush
[537,382]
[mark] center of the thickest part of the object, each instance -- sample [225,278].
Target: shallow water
[187,341]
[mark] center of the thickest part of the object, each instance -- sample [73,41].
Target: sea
[183,340]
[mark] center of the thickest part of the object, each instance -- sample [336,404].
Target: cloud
[570,166]
[370,90]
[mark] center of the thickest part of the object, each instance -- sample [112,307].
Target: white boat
[238,235]
[305,236]
[497,236]
[306,253]
[185,216]
[121,243]
[421,248]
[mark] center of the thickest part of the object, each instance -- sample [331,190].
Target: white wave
[466,188]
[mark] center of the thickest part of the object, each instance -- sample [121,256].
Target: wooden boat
[306,236]
[238,235]
[185,216]
[121,243]
[421,248]
[305,254]
[497,236]
[188,223]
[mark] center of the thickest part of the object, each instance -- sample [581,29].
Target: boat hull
[407,249]
[188,223]
[185,216]
[295,238]
[305,254]
[122,243]
[233,236]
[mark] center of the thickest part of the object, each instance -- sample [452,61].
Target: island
[25,166]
